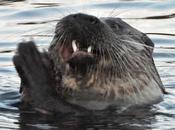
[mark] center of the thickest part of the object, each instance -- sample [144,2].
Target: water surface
[23,20]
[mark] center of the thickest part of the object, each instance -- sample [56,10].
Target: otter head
[104,57]
[83,43]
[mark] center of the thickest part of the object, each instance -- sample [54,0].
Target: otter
[92,63]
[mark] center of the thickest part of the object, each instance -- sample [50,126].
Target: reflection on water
[110,119]
[36,19]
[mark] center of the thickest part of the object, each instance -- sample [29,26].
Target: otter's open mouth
[76,56]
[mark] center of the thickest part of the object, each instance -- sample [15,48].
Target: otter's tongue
[80,60]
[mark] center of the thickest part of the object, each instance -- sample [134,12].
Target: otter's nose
[86,18]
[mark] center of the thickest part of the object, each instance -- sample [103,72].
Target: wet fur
[125,74]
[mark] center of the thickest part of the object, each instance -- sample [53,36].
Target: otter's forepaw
[29,64]
[34,72]
[34,69]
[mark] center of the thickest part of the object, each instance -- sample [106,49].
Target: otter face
[82,40]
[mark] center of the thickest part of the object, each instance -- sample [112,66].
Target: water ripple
[24,19]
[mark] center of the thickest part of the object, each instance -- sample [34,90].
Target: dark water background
[36,19]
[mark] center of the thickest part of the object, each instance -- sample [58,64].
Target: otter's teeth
[89,49]
[74,46]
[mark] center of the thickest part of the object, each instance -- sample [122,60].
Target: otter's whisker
[117,55]
[139,44]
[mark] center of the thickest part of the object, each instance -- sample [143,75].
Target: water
[36,19]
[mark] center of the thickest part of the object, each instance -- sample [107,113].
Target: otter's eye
[93,20]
